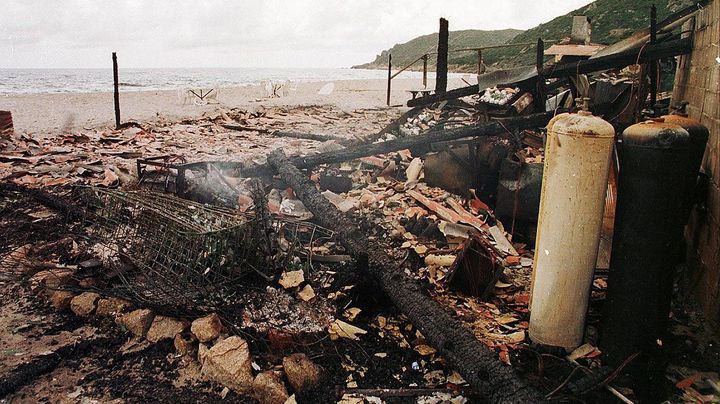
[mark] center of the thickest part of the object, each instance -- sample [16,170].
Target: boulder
[112,306]
[60,299]
[268,388]
[229,363]
[301,372]
[207,328]
[165,328]
[84,304]
[137,322]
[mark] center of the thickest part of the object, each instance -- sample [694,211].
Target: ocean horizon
[89,80]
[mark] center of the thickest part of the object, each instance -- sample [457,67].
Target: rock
[228,362]
[301,372]
[60,299]
[203,350]
[137,322]
[291,279]
[53,279]
[306,294]
[268,388]
[84,304]
[184,345]
[165,328]
[207,328]
[112,306]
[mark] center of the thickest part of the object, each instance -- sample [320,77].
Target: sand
[69,112]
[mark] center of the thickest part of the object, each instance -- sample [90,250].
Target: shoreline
[67,112]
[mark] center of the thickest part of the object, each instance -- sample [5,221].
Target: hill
[407,52]
[612,21]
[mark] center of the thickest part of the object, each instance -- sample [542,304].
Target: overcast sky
[240,33]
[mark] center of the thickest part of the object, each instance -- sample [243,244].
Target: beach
[70,112]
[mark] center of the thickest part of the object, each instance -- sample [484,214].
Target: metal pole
[117,91]
[425,60]
[389,78]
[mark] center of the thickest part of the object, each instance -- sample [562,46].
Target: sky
[240,33]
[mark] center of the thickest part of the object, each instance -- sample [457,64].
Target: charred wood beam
[477,363]
[448,95]
[648,53]
[310,136]
[370,149]
[46,199]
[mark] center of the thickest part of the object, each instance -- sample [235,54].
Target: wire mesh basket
[172,252]
[178,256]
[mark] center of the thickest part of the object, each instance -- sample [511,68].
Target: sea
[32,81]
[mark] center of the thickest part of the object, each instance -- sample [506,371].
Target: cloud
[246,33]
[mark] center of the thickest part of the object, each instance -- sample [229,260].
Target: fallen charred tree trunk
[478,364]
[433,136]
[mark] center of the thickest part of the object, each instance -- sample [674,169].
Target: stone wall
[697,81]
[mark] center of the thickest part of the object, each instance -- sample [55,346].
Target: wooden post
[425,60]
[442,58]
[480,62]
[117,91]
[389,77]
[539,65]
[653,66]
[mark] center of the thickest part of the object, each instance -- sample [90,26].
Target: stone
[291,279]
[53,279]
[229,363]
[60,299]
[207,328]
[112,306]
[301,372]
[137,322]
[84,304]
[165,328]
[203,350]
[184,345]
[268,388]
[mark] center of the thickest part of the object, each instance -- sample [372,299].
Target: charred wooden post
[116,90]
[389,78]
[425,60]
[653,65]
[541,91]
[442,58]
[478,364]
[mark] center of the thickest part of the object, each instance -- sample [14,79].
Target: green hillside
[612,21]
[407,52]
